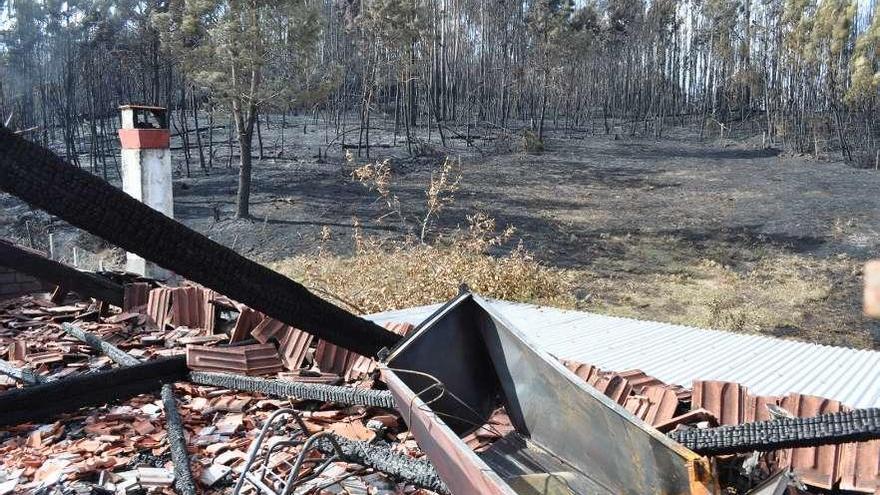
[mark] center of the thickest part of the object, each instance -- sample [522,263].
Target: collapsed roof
[486,363]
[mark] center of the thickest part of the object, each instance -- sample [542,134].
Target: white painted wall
[146,176]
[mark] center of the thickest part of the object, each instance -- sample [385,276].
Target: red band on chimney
[142,139]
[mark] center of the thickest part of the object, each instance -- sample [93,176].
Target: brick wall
[13,283]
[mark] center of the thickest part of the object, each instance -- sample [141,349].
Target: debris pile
[123,448]
[854,467]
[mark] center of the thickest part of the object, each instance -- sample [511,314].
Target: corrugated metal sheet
[679,354]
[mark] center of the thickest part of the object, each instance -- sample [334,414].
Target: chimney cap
[141,107]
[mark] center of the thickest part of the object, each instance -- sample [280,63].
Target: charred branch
[307,391]
[419,472]
[116,354]
[859,425]
[25,376]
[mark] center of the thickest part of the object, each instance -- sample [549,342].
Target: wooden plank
[36,264]
[41,402]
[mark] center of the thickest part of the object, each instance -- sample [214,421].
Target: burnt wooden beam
[114,353]
[42,402]
[25,376]
[36,264]
[183,478]
[44,180]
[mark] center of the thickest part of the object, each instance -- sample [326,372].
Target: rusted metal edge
[460,468]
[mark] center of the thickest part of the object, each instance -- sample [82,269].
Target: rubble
[126,442]
[129,446]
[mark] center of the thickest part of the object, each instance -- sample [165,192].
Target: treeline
[804,74]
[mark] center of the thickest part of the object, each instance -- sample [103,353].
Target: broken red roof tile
[332,359]
[188,307]
[362,366]
[135,296]
[688,418]
[247,320]
[255,359]
[614,387]
[638,379]
[725,400]
[823,467]
[818,466]
[17,351]
[293,346]
[655,405]
[587,372]
[158,306]
[860,467]
[309,377]
[267,329]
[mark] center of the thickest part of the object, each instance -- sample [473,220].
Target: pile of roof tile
[123,448]
[854,467]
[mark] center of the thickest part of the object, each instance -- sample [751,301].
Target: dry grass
[758,288]
[736,283]
[384,275]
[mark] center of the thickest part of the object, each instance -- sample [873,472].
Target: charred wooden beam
[25,376]
[116,354]
[285,389]
[183,478]
[44,401]
[36,264]
[44,180]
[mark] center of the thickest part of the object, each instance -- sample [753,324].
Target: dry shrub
[384,275]
[530,142]
[439,194]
